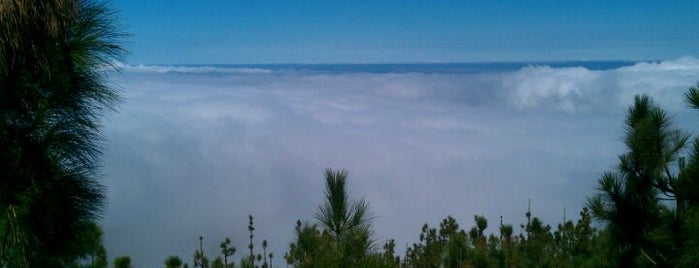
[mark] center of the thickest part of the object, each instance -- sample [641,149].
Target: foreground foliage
[343,235]
[570,245]
[648,205]
[52,54]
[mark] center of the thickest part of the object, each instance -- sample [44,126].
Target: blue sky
[219,32]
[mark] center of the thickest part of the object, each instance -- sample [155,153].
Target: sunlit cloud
[194,150]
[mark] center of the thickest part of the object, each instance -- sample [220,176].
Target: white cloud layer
[194,150]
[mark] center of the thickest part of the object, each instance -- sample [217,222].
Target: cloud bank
[194,150]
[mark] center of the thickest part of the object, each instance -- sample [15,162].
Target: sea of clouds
[194,149]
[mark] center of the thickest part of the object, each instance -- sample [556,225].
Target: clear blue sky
[229,31]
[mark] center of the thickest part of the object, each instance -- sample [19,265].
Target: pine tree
[173,262]
[348,222]
[227,251]
[343,237]
[688,198]
[122,262]
[52,57]
[251,246]
[629,200]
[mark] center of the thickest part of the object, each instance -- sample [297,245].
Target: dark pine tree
[52,60]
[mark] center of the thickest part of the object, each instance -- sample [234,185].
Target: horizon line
[403,63]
